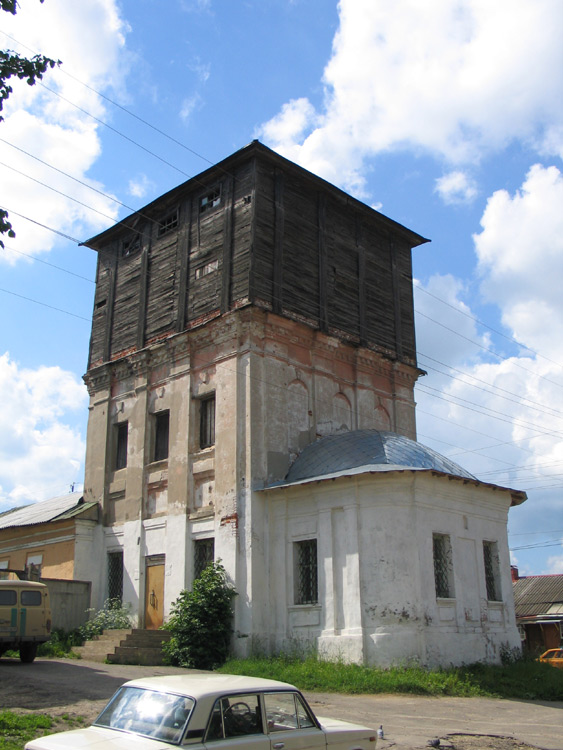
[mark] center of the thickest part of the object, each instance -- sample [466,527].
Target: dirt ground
[81,689]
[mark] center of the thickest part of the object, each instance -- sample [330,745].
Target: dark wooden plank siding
[161,312]
[404,268]
[102,308]
[205,261]
[300,285]
[126,303]
[380,311]
[264,232]
[342,270]
[242,214]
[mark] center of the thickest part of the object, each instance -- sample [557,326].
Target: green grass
[17,729]
[523,679]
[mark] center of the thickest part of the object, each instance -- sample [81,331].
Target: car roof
[200,685]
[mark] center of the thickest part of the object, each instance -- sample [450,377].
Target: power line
[44,304]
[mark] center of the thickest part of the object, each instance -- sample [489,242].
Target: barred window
[443,566]
[207,422]
[168,222]
[161,435]
[204,553]
[211,200]
[120,457]
[115,575]
[306,572]
[131,246]
[492,571]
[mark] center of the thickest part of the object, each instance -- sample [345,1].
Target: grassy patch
[524,679]
[17,729]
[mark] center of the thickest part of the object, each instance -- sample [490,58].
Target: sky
[446,116]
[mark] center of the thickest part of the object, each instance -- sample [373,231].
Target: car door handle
[278,745]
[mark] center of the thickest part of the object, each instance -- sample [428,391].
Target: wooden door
[154,595]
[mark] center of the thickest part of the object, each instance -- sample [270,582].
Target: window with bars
[207,421]
[306,572]
[168,223]
[161,435]
[115,575]
[492,571]
[121,431]
[204,553]
[443,566]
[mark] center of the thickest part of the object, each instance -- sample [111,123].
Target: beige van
[25,617]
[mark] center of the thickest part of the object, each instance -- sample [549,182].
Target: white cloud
[52,127]
[189,106]
[454,79]
[41,453]
[520,252]
[456,187]
[555,564]
[140,186]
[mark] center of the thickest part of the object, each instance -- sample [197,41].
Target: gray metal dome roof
[350,450]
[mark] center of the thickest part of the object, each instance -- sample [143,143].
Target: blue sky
[446,116]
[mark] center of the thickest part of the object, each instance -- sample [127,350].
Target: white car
[208,711]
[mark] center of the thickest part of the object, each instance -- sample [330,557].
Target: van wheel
[28,652]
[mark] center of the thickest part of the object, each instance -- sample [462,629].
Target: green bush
[113,616]
[60,643]
[200,622]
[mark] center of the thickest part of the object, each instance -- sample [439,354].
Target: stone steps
[133,646]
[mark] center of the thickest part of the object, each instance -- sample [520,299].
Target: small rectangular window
[443,566]
[306,572]
[115,575]
[207,421]
[8,598]
[31,598]
[492,571]
[168,223]
[33,567]
[130,246]
[121,433]
[209,201]
[206,269]
[161,435]
[204,553]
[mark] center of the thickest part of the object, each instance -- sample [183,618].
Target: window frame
[161,437]
[306,572]
[208,543]
[491,566]
[121,445]
[207,420]
[442,557]
[168,222]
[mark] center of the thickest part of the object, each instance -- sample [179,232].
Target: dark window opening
[204,553]
[168,223]
[121,430]
[306,572]
[100,304]
[131,246]
[443,566]
[161,435]
[115,575]
[31,598]
[207,422]
[492,571]
[209,201]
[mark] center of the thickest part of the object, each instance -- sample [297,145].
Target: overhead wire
[190,177]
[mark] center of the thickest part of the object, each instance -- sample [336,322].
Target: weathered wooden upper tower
[257,230]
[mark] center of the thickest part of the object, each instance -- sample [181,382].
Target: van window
[31,598]
[7,597]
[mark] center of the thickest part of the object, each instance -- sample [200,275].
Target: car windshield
[162,716]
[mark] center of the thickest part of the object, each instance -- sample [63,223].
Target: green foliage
[200,622]
[60,644]
[521,679]
[113,616]
[17,729]
[13,65]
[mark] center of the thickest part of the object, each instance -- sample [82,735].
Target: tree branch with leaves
[31,70]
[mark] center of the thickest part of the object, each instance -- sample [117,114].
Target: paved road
[83,687]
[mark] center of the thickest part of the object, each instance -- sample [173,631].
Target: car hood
[94,737]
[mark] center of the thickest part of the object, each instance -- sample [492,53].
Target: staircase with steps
[133,646]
